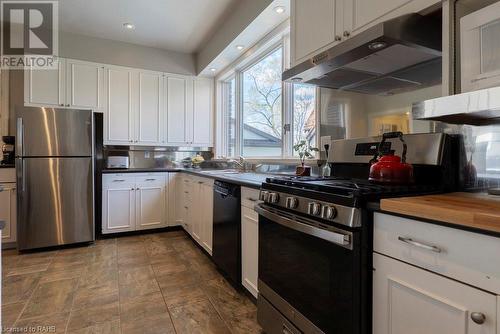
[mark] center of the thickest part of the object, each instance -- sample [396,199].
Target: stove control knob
[292,202]
[329,212]
[314,209]
[274,198]
[264,196]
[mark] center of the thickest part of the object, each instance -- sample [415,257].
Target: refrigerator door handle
[21,175]
[20,137]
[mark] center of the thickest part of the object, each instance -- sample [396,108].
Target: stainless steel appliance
[114,161]
[398,55]
[315,235]
[54,168]
[226,246]
[8,150]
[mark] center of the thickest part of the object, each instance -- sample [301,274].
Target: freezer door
[55,201]
[50,132]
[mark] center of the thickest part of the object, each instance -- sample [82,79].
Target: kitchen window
[262,116]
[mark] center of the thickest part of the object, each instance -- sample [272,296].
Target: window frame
[236,71]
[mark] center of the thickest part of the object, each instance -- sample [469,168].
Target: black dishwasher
[226,251]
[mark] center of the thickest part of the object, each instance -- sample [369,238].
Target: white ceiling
[177,25]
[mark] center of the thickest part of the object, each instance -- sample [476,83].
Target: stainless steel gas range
[315,235]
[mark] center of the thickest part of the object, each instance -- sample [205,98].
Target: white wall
[125,54]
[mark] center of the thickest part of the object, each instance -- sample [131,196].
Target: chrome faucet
[240,164]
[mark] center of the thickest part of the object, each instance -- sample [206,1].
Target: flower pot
[303,171]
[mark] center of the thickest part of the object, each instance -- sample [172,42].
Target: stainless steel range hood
[395,56]
[481,107]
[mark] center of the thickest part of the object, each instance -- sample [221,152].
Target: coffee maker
[8,150]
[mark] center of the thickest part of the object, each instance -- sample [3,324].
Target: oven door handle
[333,235]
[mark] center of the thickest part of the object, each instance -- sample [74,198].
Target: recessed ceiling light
[213,69]
[279,9]
[240,47]
[129,25]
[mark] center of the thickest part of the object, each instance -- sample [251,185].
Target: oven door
[310,272]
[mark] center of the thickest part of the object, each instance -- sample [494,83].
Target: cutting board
[476,210]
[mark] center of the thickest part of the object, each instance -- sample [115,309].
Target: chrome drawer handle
[150,179]
[118,180]
[420,245]
[251,199]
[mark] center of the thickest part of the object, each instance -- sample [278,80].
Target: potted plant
[305,152]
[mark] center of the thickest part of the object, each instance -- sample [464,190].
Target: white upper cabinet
[140,107]
[118,118]
[312,27]
[176,110]
[85,85]
[202,112]
[320,24]
[45,87]
[479,49]
[149,116]
[75,84]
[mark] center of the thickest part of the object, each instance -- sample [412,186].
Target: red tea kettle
[391,169]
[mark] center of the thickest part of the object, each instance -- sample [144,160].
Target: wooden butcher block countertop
[474,210]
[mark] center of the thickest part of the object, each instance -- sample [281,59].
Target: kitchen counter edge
[234,179]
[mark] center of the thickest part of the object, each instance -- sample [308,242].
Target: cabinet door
[359,15]
[175,200]
[479,48]
[409,300]
[196,211]
[185,205]
[45,87]
[150,205]
[207,215]
[149,115]
[84,85]
[249,249]
[8,211]
[176,110]
[202,112]
[118,117]
[118,211]
[312,27]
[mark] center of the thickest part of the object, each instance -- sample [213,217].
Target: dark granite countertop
[8,166]
[246,179]
[140,170]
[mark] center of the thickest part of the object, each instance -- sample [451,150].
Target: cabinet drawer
[151,178]
[108,179]
[461,255]
[7,175]
[249,197]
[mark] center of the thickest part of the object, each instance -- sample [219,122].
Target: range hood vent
[481,107]
[395,56]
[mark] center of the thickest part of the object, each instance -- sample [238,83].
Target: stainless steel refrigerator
[54,168]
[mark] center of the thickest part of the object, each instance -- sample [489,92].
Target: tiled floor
[155,283]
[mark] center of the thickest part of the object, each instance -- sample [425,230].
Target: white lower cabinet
[196,194]
[173,212]
[133,202]
[150,203]
[118,205]
[410,300]
[249,240]
[8,211]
